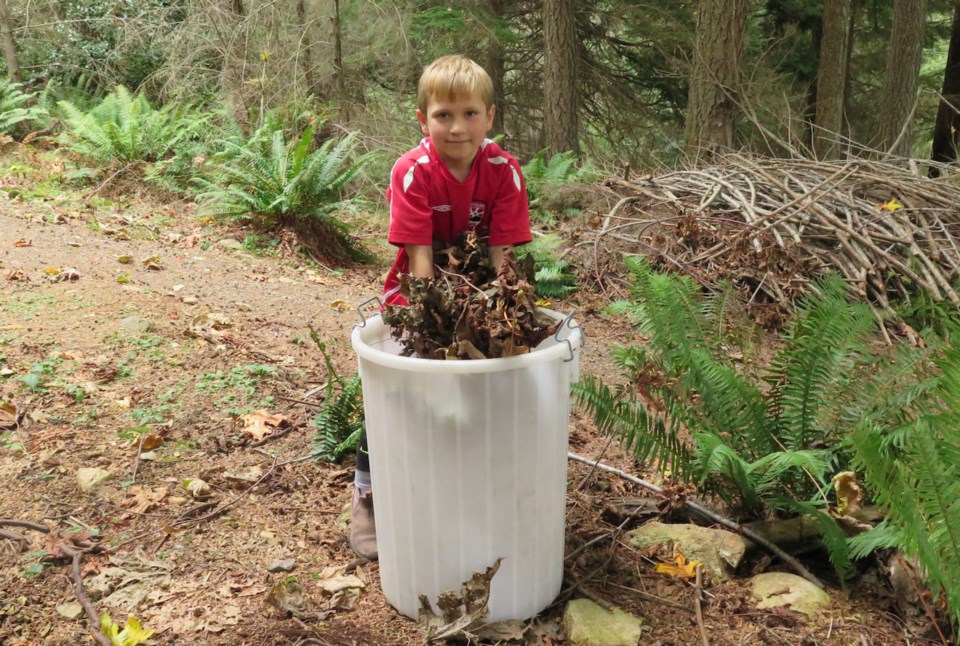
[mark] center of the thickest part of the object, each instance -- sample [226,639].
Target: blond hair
[452,77]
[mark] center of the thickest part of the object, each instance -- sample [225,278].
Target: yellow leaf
[340,305]
[891,205]
[262,423]
[543,303]
[125,260]
[51,271]
[682,567]
[849,494]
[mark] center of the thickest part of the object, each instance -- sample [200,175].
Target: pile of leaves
[469,310]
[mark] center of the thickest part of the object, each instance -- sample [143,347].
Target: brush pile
[469,310]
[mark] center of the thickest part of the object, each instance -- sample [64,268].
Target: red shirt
[427,202]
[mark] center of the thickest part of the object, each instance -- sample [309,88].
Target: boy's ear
[423,122]
[490,113]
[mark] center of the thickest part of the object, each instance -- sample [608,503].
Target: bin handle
[360,306]
[568,323]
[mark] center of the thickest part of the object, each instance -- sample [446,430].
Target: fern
[126,128]
[340,420]
[275,181]
[554,278]
[545,176]
[17,108]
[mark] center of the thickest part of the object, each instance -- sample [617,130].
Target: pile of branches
[770,226]
[469,310]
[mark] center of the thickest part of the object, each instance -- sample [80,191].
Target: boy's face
[457,126]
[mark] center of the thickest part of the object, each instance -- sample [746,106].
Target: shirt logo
[477,209]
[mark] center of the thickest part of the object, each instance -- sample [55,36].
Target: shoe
[363,529]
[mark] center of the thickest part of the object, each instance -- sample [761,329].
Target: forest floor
[118,367]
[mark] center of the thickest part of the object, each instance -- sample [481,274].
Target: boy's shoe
[363,530]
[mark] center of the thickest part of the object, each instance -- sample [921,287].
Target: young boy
[455,180]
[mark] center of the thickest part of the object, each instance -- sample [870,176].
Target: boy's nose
[458,126]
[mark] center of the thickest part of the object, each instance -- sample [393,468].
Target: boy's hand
[497,253]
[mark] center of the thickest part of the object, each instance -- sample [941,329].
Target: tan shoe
[363,530]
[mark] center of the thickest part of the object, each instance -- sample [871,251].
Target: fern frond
[834,538]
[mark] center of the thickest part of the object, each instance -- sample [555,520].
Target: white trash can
[468,461]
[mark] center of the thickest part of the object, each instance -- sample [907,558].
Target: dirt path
[101,363]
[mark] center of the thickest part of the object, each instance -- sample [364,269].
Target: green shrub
[340,421]
[547,177]
[272,182]
[772,441]
[18,109]
[125,128]
[554,277]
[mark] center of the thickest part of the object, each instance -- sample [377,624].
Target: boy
[455,180]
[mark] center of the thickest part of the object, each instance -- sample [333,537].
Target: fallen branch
[93,620]
[698,607]
[712,516]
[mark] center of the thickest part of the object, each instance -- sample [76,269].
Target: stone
[774,589]
[282,565]
[70,610]
[190,300]
[588,624]
[89,479]
[230,244]
[717,549]
[135,326]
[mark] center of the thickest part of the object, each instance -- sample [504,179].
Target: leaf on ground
[261,423]
[23,242]
[143,499]
[848,492]
[125,260]
[681,567]
[151,441]
[17,275]
[461,616]
[207,323]
[131,635]
[89,477]
[9,415]
[197,488]
[890,205]
[287,598]
[51,271]
[152,263]
[334,579]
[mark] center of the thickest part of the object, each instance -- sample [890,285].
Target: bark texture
[899,98]
[946,137]
[560,76]
[714,79]
[9,43]
[832,77]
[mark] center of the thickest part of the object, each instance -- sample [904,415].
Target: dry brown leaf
[17,274]
[144,499]
[23,242]
[9,415]
[151,442]
[259,424]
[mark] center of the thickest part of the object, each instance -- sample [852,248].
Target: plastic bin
[468,462]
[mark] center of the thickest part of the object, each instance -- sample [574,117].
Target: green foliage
[276,181]
[17,108]
[340,421]
[546,177]
[124,127]
[554,277]
[908,450]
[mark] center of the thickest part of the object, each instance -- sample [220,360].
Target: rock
[135,326]
[230,244]
[89,478]
[715,548]
[190,300]
[773,589]
[588,624]
[70,610]
[283,565]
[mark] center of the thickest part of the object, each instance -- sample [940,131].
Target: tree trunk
[342,97]
[832,77]
[308,77]
[9,44]
[560,76]
[495,64]
[899,98]
[946,132]
[711,102]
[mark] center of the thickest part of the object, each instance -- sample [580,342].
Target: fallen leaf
[125,260]
[461,616]
[9,416]
[17,274]
[144,499]
[197,488]
[132,634]
[890,205]
[848,492]
[22,242]
[340,305]
[153,263]
[333,579]
[681,567]
[259,424]
[68,274]
[51,271]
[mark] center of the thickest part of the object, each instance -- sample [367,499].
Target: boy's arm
[420,258]
[497,252]
[510,217]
